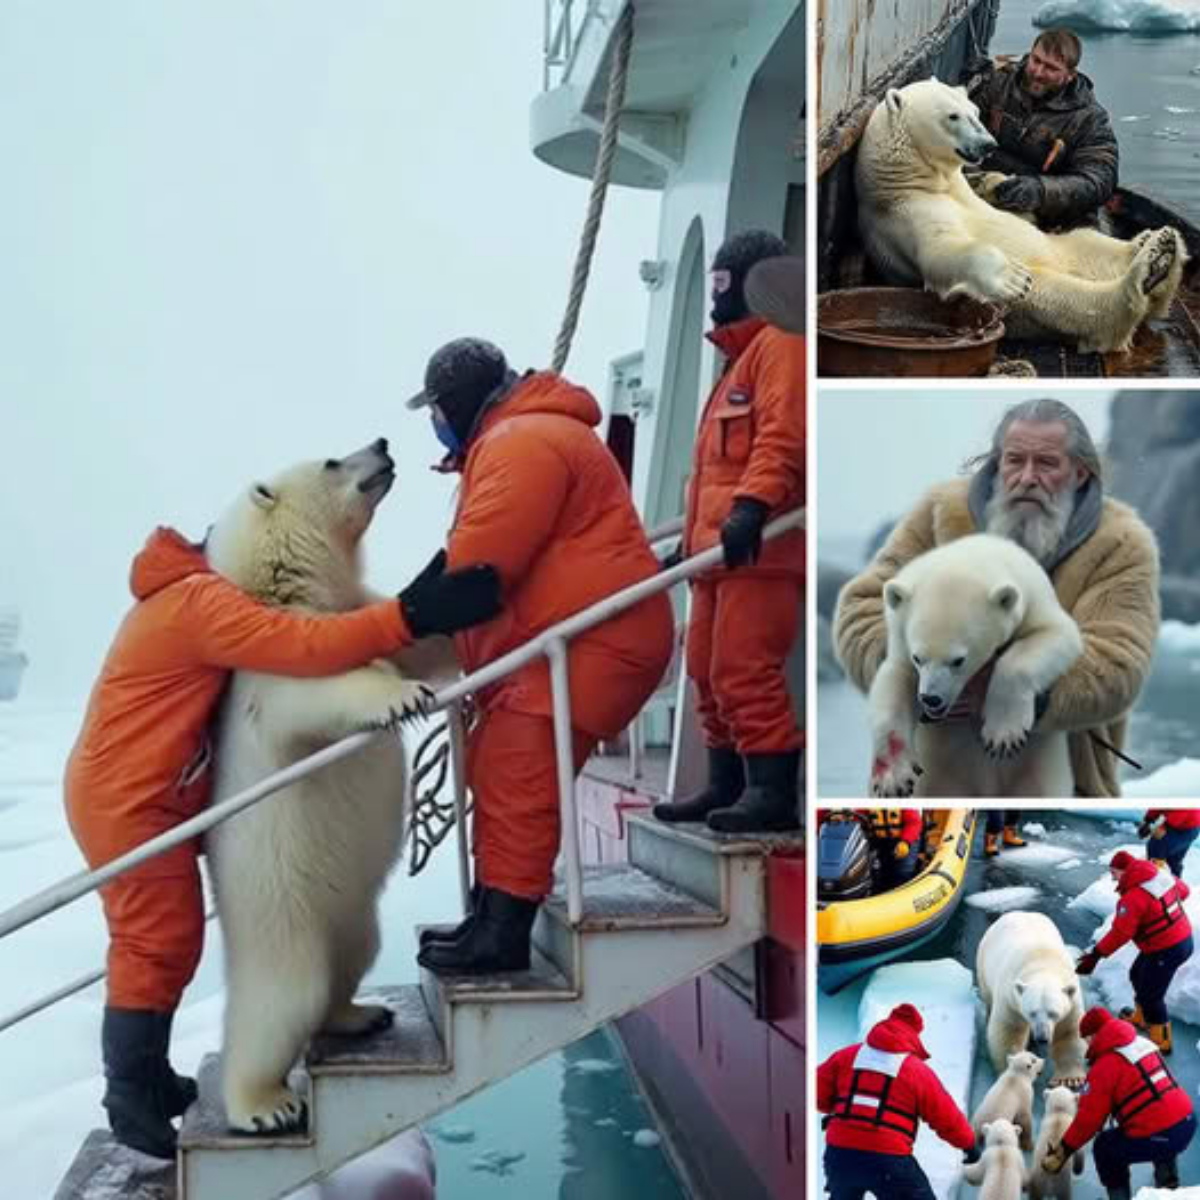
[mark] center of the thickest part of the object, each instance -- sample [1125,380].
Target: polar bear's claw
[1074,1082]
[359,1020]
[283,1112]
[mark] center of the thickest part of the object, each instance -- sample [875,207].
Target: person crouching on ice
[1151,913]
[1128,1082]
[544,499]
[140,766]
[1169,834]
[876,1095]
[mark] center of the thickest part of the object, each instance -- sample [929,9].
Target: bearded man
[1040,484]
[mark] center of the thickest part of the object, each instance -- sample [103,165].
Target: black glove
[973,1155]
[672,559]
[438,601]
[1087,963]
[741,534]
[1144,830]
[1020,193]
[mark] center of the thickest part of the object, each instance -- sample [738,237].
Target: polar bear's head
[1061,1100]
[294,539]
[952,623]
[942,124]
[1044,1001]
[1026,1065]
[1000,1133]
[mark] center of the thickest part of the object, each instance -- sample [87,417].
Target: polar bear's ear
[895,594]
[1020,988]
[263,496]
[1005,596]
[1071,990]
[893,100]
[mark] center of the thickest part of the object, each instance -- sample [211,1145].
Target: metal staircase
[687,900]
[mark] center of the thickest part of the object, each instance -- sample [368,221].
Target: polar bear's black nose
[931,703]
[380,444]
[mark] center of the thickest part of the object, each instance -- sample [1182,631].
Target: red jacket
[137,767]
[904,824]
[1177,818]
[751,441]
[1142,1096]
[543,500]
[1150,911]
[916,1094]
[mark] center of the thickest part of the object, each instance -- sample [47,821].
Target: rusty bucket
[894,333]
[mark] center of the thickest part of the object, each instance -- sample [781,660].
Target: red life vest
[867,1101]
[1165,891]
[1152,1083]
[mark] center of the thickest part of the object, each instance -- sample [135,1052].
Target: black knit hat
[465,367]
[739,252]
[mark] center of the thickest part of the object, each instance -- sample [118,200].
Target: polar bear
[297,875]
[950,612]
[1028,984]
[1011,1097]
[1000,1173]
[923,225]
[1061,1106]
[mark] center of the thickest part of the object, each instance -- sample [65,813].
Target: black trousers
[851,1174]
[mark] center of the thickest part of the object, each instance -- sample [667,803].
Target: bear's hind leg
[1163,293]
[353,956]
[275,1003]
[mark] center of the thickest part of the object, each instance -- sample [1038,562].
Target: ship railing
[551,644]
[564,26]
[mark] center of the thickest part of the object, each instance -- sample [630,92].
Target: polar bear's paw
[1074,1082]
[358,1020]
[407,700]
[1013,284]
[1154,260]
[1008,716]
[894,771]
[274,1111]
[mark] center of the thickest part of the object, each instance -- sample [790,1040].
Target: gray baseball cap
[470,366]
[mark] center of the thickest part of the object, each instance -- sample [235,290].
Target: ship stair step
[687,901]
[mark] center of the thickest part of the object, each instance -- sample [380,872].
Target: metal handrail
[551,643]
[561,37]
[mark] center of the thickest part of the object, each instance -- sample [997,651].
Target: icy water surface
[571,1127]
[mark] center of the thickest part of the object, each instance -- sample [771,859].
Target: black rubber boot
[1166,1173]
[498,939]
[430,936]
[142,1094]
[1120,1191]
[726,782]
[181,1090]
[770,804]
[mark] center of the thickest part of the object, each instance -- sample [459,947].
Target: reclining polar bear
[923,225]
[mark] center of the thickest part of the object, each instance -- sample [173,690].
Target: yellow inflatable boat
[858,931]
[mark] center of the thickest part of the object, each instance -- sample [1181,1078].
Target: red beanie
[1093,1021]
[909,1015]
[1121,860]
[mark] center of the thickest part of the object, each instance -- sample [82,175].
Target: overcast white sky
[879,450]
[231,234]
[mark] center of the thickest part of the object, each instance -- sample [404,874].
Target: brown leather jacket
[1065,139]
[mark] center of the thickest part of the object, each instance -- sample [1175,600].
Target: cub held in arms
[951,611]
[297,876]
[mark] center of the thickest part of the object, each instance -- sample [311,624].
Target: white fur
[297,876]
[1000,1173]
[1061,1106]
[948,612]
[1011,1097]
[1028,984]
[923,225]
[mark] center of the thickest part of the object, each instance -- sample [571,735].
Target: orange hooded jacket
[545,502]
[751,441]
[139,764]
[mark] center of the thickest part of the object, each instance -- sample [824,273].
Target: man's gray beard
[1034,529]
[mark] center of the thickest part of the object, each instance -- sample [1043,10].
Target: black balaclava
[737,255]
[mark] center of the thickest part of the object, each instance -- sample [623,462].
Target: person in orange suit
[140,767]
[544,500]
[747,467]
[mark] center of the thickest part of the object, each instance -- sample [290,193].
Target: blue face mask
[444,434]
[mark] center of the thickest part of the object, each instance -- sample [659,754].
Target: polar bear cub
[950,612]
[1000,1173]
[297,875]
[1061,1106]
[923,225]
[1028,984]
[1011,1097]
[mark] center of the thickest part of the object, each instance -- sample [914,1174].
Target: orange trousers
[155,917]
[740,633]
[511,767]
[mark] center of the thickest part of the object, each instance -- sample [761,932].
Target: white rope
[591,225]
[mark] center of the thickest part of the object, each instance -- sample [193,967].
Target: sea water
[1143,56]
[571,1127]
